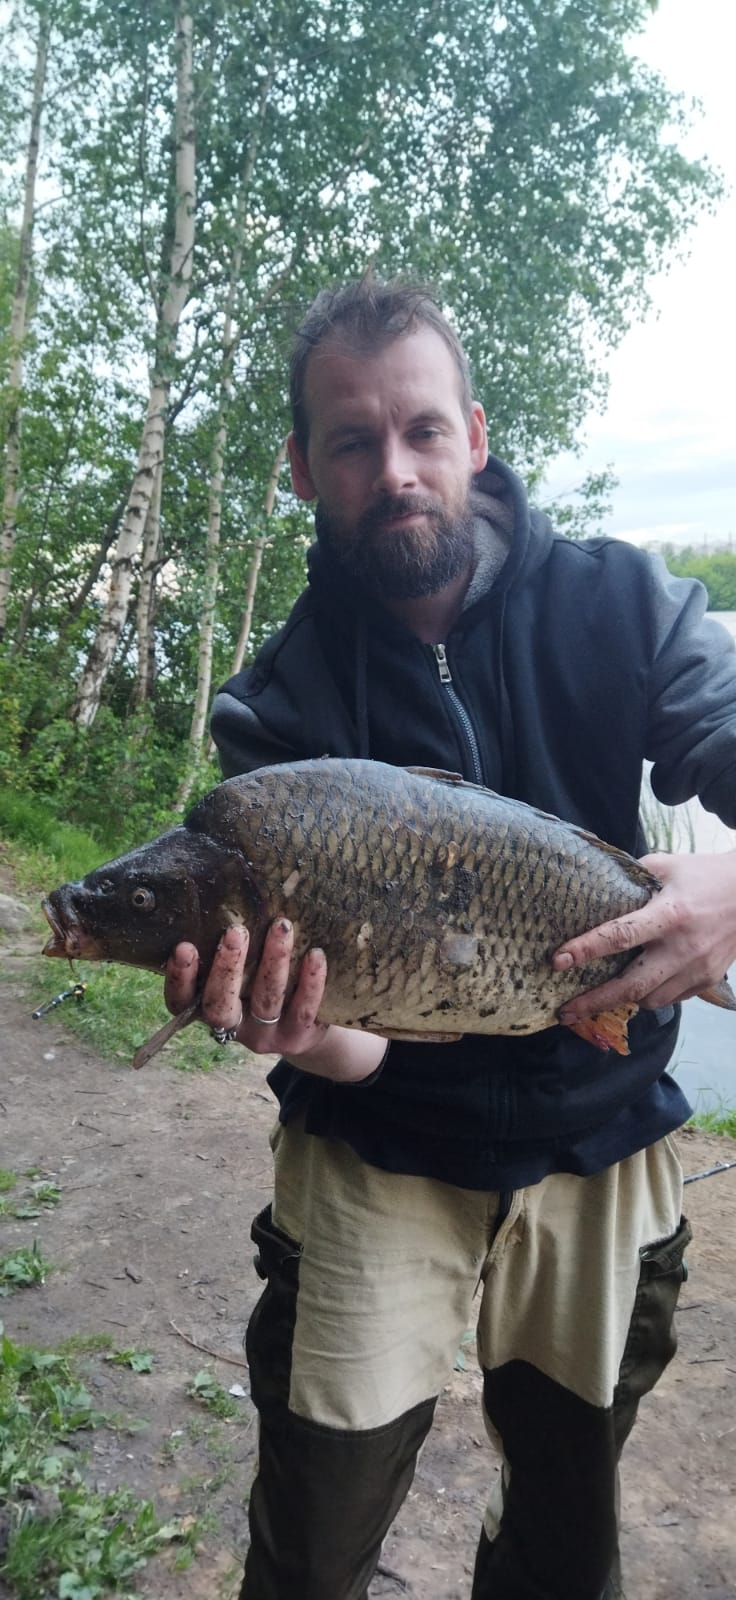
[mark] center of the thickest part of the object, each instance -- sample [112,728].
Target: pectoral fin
[607,1031]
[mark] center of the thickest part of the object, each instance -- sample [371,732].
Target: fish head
[138,907]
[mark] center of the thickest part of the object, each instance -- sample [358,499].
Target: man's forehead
[418,364]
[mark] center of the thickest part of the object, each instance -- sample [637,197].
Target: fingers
[653,921]
[180,983]
[650,982]
[221,1003]
[307,998]
[280,1018]
[269,1025]
[633,987]
[272,975]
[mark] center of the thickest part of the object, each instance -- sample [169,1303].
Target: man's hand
[687,932]
[270,1026]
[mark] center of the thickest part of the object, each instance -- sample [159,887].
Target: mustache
[398,505]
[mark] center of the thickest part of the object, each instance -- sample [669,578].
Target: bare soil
[160,1174]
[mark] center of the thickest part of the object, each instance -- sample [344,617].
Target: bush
[120,773]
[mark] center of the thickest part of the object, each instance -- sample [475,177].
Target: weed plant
[63,1537]
[205,1388]
[23,1268]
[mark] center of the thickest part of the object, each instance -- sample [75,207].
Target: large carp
[438,903]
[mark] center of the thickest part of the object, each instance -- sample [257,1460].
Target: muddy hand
[269,1025]
[685,937]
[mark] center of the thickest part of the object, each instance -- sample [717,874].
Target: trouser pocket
[269,1339]
[652,1339]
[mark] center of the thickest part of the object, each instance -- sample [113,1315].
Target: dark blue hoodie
[569,666]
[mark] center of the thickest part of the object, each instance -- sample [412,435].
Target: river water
[705,1061]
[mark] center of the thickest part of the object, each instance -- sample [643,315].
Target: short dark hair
[366,315]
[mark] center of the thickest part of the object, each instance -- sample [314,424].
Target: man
[445,626]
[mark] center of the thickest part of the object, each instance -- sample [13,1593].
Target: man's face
[390,457]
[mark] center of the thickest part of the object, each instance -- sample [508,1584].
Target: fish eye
[143,899]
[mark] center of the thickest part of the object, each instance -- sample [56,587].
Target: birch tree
[151,453]
[152,556]
[18,321]
[517,155]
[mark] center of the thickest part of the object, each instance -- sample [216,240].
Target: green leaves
[717,572]
[63,1537]
[22,1267]
[519,157]
[206,1388]
[137,1360]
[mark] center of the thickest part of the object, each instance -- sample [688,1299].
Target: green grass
[47,841]
[64,1538]
[722,1120]
[41,1196]
[83,1344]
[120,1010]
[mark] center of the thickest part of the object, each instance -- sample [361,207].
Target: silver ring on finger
[265,1022]
[226,1035]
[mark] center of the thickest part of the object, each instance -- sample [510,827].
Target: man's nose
[396,468]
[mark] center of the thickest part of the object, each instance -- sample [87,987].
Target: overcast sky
[668,430]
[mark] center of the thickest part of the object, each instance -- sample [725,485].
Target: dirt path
[160,1174]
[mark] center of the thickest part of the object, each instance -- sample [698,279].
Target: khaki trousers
[372,1279]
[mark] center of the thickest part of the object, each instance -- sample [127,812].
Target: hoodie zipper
[443,668]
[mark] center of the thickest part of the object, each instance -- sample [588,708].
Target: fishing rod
[721,1166]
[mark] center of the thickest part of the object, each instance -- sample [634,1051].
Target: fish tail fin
[719,994]
[607,1031]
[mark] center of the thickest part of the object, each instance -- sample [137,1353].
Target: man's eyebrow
[433,415]
[345,430]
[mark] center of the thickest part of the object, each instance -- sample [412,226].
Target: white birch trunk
[146,610]
[254,569]
[253,574]
[18,325]
[151,453]
[255,566]
[217,470]
[211,575]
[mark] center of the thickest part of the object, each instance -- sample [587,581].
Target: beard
[401,563]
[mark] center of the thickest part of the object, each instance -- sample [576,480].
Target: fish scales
[438,903]
[455,900]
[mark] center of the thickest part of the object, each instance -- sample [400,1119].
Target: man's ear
[301,477]
[478,435]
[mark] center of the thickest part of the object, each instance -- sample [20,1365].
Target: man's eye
[350,446]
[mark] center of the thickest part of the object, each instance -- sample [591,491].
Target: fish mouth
[68,938]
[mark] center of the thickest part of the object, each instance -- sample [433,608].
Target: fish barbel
[438,903]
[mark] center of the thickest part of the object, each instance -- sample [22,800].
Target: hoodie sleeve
[243,740]
[692,699]
[285,706]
